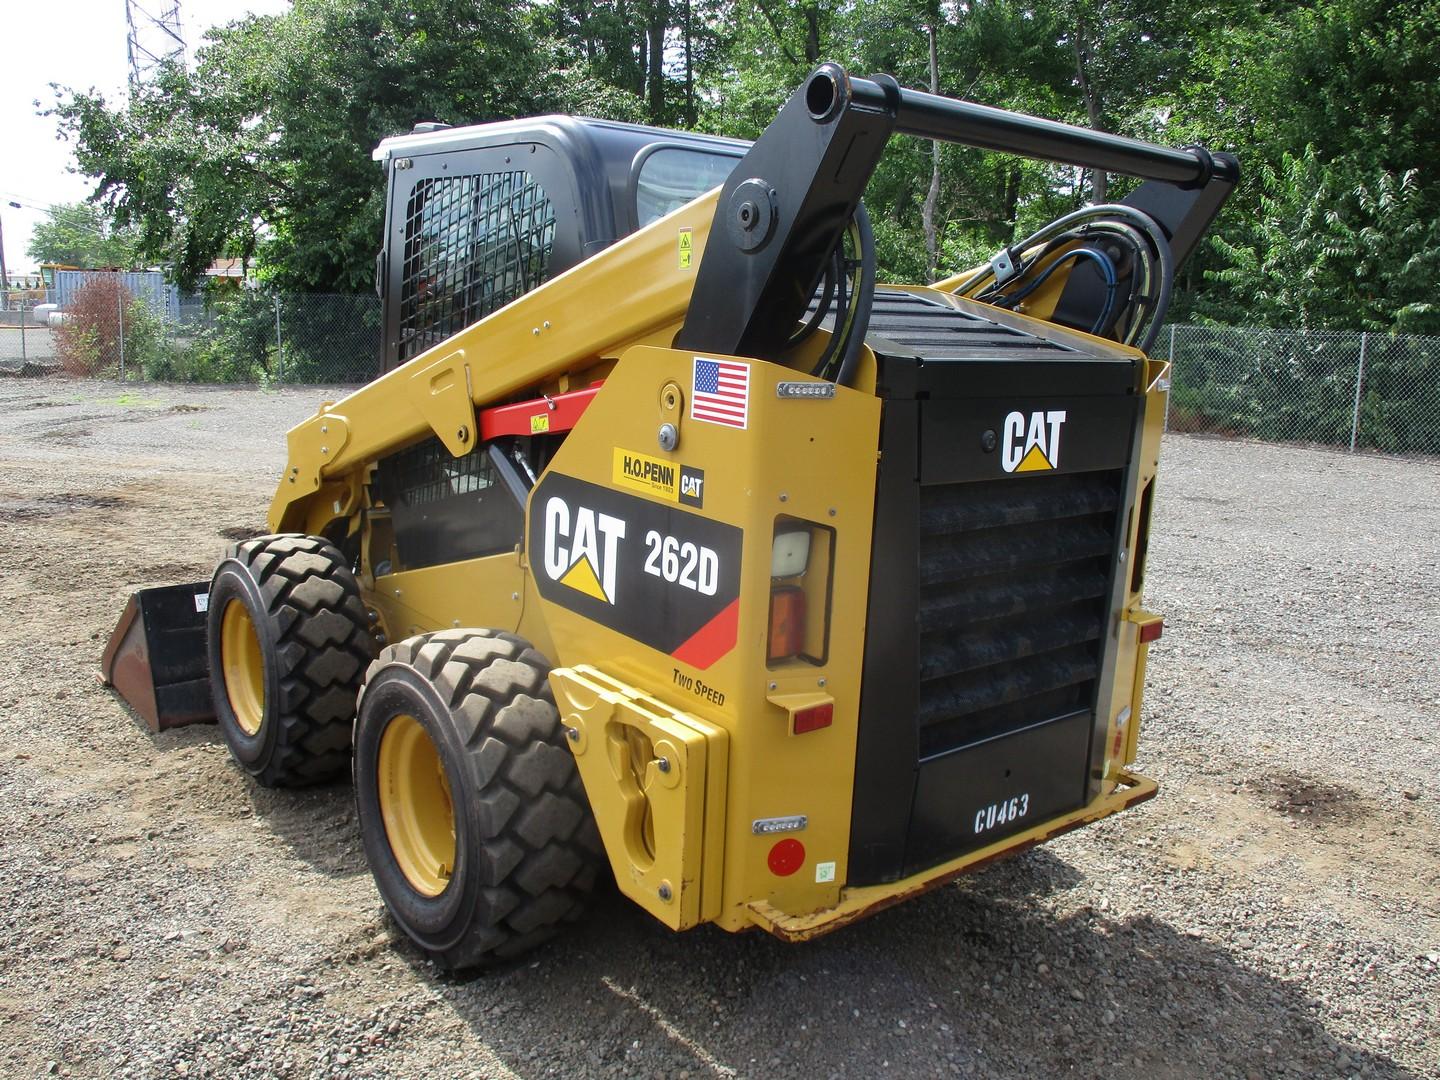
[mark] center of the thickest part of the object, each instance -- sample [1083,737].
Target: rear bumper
[857,903]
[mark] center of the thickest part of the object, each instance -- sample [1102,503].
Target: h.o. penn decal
[655,476]
[1031,441]
[658,574]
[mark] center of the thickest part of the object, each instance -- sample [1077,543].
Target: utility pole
[4,274]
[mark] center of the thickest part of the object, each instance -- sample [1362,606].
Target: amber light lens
[787,622]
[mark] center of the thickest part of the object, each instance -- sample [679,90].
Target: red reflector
[786,857]
[787,622]
[814,718]
[1151,631]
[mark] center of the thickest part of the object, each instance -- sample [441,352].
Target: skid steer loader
[671,545]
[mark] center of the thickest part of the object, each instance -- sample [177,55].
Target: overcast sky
[80,44]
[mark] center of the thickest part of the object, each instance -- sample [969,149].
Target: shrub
[105,323]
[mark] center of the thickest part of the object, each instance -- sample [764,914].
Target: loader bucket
[156,656]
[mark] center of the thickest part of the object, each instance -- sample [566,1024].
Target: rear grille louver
[1014,576]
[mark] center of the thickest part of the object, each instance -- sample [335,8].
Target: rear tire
[471,808]
[289,639]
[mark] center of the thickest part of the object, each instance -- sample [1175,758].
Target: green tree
[263,151]
[82,234]
[1328,249]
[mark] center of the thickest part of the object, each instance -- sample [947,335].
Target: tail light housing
[801,578]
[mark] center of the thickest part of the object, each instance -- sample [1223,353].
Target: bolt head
[663,764]
[669,437]
[573,734]
[664,891]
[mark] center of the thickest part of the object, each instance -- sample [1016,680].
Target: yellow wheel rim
[415,805]
[243,666]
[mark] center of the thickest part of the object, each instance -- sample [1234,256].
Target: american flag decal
[720,393]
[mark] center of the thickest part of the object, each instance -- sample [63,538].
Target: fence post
[1166,426]
[120,314]
[279,345]
[1359,381]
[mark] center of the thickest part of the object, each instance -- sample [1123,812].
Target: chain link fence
[238,335]
[26,346]
[1359,391]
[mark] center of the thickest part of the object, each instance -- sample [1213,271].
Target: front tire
[289,639]
[471,809]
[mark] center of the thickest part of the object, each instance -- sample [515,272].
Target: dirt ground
[1275,911]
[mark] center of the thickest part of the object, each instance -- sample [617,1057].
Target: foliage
[106,328]
[1287,385]
[82,234]
[1329,250]
[234,341]
[262,152]
[1333,106]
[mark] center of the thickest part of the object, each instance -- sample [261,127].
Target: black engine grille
[1013,576]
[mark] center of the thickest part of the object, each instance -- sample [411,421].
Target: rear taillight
[787,622]
[1151,631]
[800,572]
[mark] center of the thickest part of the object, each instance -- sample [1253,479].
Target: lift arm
[761,246]
[783,210]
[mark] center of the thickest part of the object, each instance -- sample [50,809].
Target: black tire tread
[542,852]
[324,645]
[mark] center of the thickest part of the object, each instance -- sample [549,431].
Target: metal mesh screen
[472,245]
[427,473]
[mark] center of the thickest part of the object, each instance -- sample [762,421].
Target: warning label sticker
[686,248]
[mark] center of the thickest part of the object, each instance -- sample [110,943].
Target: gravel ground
[1275,911]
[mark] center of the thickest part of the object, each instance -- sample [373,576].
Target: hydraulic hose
[1103,214]
[864,298]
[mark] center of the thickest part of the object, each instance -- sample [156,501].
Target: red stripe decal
[713,640]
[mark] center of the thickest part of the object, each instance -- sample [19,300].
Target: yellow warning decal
[686,248]
[539,423]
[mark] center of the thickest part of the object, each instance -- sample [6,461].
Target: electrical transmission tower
[152,39]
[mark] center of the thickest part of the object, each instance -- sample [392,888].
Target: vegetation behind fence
[1363,391]
[1357,390]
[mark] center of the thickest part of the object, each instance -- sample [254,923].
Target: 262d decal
[661,575]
